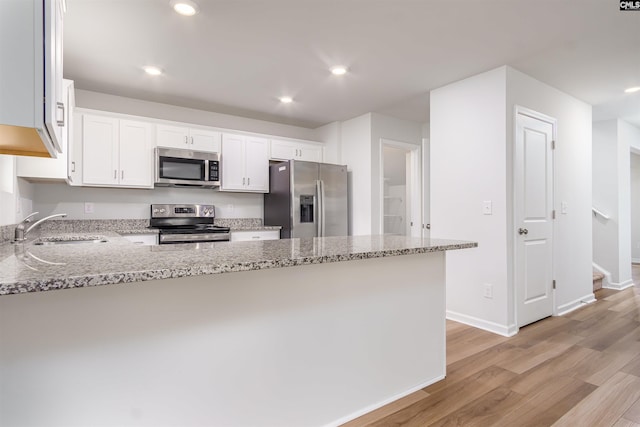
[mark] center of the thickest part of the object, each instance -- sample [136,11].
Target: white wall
[468,165]
[16,196]
[118,104]
[356,154]
[635,207]
[612,239]
[118,203]
[331,135]
[472,137]
[572,183]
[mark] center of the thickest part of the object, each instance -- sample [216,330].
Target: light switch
[486,207]
[563,208]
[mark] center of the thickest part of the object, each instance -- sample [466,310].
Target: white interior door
[533,217]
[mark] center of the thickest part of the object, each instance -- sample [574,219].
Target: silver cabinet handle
[60,106]
[122,174]
[248,181]
[186,139]
[243,181]
[73,166]
[115,174]
[523,231]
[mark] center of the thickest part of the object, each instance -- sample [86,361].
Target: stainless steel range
[187,224]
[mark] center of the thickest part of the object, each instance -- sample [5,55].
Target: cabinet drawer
[242,236]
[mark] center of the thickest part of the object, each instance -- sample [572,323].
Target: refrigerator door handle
[322,213]
[318,208]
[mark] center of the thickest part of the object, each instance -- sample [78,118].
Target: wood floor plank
[484,411]
[440,404]
[387,410]
[633,367]
[633,413]
[465,368]
[606,404]
[539,353]
[534,378]
[603,336]
[623,422]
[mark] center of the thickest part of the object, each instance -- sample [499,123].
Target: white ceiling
[239,56]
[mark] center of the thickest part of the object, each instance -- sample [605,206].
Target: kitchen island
[218,333]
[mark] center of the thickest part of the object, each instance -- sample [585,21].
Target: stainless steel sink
[68,242]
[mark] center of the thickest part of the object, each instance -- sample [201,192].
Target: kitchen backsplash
[117,225]
[116,203]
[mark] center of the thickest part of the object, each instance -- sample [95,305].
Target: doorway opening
[400,189]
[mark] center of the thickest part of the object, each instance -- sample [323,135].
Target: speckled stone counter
[28,267]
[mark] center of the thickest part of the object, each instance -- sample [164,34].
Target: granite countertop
[28,267]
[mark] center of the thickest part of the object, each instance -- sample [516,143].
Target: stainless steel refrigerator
[307,199]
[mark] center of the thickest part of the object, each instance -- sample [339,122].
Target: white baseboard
[618,286]
[375,406]
[496,328]
[575,304]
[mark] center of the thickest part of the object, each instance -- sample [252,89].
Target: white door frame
[554,124]
[416,186]
[426,189]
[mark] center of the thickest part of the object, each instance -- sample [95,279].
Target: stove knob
[155,210]
[162,210]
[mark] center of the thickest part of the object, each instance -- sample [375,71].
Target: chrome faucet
[21,234]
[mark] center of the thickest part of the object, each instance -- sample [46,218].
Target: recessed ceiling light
[152,71]
[632,89]
[286,99]
[185,7]
[339,70]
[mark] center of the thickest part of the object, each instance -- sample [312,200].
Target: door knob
[523,231]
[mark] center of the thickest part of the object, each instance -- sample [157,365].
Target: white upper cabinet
[245,163]
[295,150]
[32,107]
[116,153]
[135,154]
[47,169]
[188,138]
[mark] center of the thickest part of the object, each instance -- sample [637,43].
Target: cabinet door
[204,140]
[54,94]
[310,153]
[257,164]
[232,159]
[282,150]
[99,150]
[173,136]
[136,154]
[51,169]
[74,176]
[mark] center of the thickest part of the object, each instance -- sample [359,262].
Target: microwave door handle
[322,210]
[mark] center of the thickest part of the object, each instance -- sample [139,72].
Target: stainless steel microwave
[176,167]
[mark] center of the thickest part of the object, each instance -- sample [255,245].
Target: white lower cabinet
[248,235]
[245,163]
[293,150]
[116,152]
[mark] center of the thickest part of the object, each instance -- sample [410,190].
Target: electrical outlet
[230,208]
[486,207]
[18,205]
[563,208]
[488,291]
[88,208]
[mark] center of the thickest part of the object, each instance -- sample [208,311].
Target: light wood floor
[582,369]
